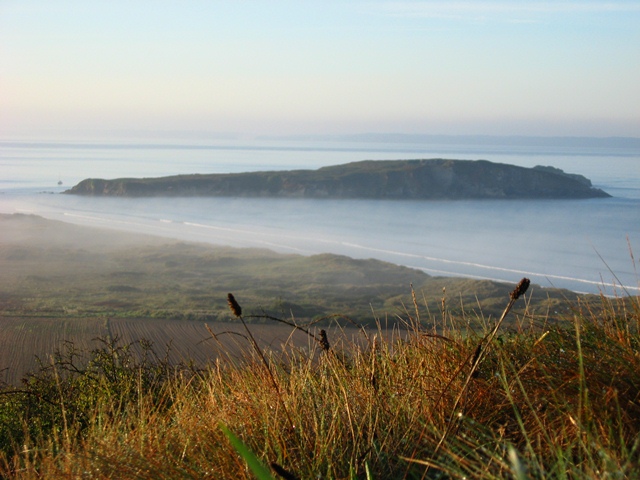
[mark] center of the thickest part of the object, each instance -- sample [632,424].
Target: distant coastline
[518,141]
[432,179]
[364,142]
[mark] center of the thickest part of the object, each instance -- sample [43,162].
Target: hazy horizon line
[181,139]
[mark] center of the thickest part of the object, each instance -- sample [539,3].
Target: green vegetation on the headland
[392,179]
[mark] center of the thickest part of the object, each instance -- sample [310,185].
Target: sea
[588,246]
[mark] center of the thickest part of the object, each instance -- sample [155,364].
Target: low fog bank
[36,231]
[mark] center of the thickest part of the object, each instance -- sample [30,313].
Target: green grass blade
[258,469]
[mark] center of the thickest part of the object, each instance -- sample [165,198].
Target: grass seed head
[520,289]
[235,307]
[324,341]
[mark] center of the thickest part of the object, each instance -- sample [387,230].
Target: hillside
[398,179]
[62,282]
[446,393]
[52,268]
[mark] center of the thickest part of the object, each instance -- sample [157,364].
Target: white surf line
[253,241]
[264,234]
[214,227]
[480,277]
[105,220]
[226,240]
[139,227]
[489,267]
[458,274]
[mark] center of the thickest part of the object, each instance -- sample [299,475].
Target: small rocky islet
[433,179]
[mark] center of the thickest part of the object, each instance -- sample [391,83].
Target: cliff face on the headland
[391,179]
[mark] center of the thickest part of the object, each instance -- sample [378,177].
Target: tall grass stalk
[479,353]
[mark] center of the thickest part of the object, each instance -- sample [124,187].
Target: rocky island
[432,179]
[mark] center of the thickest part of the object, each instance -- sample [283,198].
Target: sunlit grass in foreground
[540,401]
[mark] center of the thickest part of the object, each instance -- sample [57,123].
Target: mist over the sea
[583,245]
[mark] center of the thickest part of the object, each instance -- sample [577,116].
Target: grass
[560,400]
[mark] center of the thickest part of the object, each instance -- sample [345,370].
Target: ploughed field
[27,343]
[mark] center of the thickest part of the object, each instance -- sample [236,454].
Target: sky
[307,67]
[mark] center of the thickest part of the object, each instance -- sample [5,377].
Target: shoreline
[220,236]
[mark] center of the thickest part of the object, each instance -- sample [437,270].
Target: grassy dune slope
[55,269]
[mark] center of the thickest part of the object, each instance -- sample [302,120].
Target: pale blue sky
[320,67]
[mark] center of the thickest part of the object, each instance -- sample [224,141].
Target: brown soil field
[27,341]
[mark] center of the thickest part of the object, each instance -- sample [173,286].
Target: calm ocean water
[583,245]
